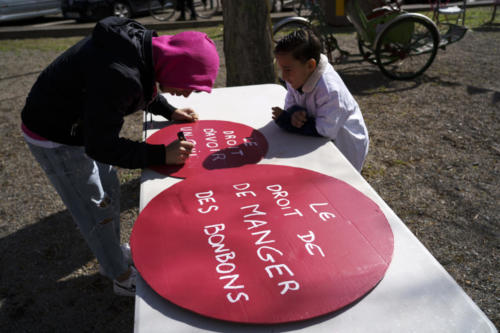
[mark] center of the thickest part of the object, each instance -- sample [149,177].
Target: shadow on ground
[39,279]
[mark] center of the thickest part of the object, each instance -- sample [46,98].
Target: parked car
[11,10]
[417,1]
[96,9]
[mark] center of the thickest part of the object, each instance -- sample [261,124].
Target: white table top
[416,294]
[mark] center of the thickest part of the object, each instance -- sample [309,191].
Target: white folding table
[415,295]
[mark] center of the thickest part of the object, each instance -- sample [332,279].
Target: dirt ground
[434,158]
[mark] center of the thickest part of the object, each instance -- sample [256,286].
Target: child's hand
[184,115]
[299,118]
[277,111]
[178,151]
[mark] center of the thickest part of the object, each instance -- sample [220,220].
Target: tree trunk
[247,42]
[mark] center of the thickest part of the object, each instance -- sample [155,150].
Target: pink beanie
[188,60]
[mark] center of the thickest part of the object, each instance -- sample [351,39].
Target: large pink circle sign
[218,145]
[262,244]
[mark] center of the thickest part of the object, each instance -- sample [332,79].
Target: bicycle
[403,45]
[164,10]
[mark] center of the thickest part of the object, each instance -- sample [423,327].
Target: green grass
[475,17]
[215,33]
[63,43]
[43,44]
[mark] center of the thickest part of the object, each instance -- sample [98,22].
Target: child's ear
[311,64]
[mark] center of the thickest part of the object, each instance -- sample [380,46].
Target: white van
[11,10]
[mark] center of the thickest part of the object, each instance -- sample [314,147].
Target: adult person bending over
[74,113]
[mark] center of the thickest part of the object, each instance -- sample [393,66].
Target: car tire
[121,9]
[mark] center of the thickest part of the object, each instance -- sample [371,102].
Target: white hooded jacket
[337,114]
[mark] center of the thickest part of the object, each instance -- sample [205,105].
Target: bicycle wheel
[206,8]
[162,10]
[406,47]
[288,25]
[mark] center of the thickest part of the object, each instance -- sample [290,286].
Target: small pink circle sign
[218,145]
[262,244]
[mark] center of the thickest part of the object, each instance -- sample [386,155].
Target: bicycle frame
[403,45]
[368,27]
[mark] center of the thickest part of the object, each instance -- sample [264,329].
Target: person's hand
[177,152]
[277,111]
[184,115]
[299,118]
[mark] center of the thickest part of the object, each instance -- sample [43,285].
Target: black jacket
[81,98]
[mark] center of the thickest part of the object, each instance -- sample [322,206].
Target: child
[317,102]
[75,111]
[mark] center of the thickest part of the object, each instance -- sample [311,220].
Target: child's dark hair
[303,44]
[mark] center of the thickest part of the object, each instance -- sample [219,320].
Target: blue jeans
[91,192]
